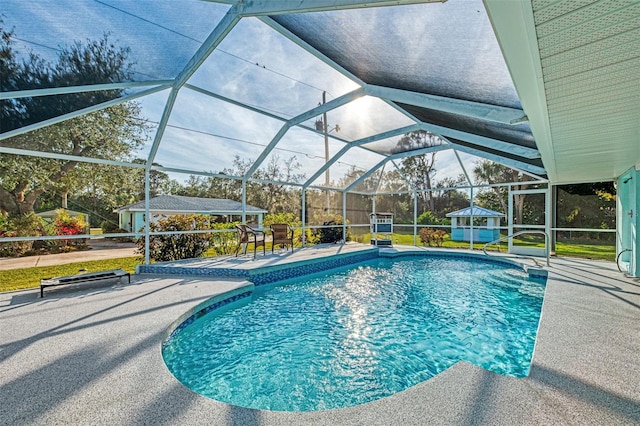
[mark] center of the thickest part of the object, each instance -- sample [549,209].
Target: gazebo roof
[475,211]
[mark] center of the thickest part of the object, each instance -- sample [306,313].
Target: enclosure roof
[177,203]
[550,88]
[475,212]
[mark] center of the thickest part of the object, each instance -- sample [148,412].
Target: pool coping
[264,274]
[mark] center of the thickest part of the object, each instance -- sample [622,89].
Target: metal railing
[618,260]
[515,234]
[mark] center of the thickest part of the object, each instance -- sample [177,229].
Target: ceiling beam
[455,106]
[65,157]
[82,89]
[360,142]
[270,7]
[405,154]
[314,112]
[226,24]
[521,151]
[514,164]
[79,113]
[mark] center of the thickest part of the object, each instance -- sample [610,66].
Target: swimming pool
[359,333]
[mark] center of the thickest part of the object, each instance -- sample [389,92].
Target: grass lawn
[16,279]
[582,249]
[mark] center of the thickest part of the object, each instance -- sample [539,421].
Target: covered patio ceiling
[551,88]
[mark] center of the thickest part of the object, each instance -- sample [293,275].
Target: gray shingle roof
[180,203]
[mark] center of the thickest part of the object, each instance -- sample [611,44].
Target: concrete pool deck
[92,355]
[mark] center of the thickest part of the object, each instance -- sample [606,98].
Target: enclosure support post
[552,217]
[304,216]
[415,217]
[344,216]
[471,221]
[147,192]
[244,201]
[510,219]
[325,131]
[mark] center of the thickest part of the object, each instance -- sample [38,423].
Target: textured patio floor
[92,356]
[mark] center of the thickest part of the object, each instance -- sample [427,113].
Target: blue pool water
[360,333]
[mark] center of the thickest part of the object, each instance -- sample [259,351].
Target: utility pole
[325,129]
[321,124]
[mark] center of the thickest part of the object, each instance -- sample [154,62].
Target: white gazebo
[483,223]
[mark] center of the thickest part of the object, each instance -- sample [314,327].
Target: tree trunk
[519,202]
[15,205]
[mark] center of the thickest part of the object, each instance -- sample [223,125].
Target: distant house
[49,215]
[486,224]
[132,217]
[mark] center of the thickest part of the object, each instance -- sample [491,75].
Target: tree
[398,204]
[112,133]
[159,182]
[419,169]
[591,205]
[489,172]
[277,197]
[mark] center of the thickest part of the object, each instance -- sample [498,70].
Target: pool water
[357,334]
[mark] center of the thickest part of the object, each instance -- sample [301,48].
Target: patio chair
[282,235]
[248,235]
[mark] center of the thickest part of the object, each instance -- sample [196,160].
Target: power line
[148,21]
[261,66]
[218,49]
[245,141]
[57,49]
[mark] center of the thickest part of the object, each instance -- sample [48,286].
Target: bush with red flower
[65,224]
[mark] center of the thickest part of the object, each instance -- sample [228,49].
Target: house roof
[53,213]
[177,203]
[475,211]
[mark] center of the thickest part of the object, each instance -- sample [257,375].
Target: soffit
[582,94]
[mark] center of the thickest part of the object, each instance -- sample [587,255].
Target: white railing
[515,234]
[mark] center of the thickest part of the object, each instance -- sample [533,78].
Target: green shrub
[29,225]
[329,235]
[164,248]
[435,236]
[109,227]
[428,218]
[224,242]
[288,218]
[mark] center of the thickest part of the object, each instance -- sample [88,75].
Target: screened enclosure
[326,110]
